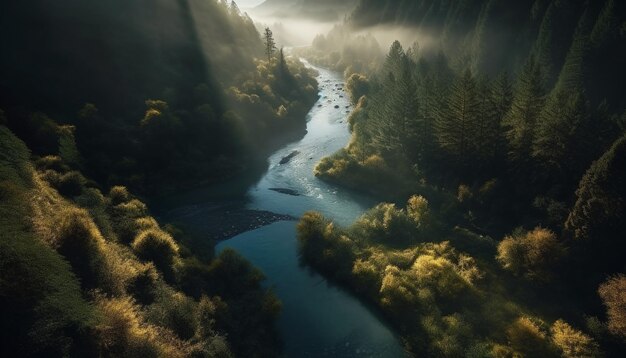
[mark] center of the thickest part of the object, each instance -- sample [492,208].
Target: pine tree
[396,115]
[521,120]
[488,127]
[605,25]
[556,138]
[234,9]
[456,125]
[560,132]
[500,100]
[394,61]
[282,63]
[597,218]
[270,44]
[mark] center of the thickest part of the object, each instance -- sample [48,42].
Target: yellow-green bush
[125,218]
[573,343]
[78,239]
[534,254]
[143,285]
[69,184]
[119,195]
[176,312]
[123,332]
[613,294]
[51,162]
[528,336]
[157,246]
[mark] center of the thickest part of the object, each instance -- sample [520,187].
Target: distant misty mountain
[320,10]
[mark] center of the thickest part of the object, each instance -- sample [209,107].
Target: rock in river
[288,158]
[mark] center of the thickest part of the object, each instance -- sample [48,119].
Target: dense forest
[101,100]
[499,148]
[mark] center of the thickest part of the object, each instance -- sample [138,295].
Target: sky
[248,3]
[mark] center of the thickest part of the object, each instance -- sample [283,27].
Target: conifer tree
[500,100]
[560,132]
[234,9]
[456,125]
[394,60]
[270,44]
[597,219]
[396,114]
[488,128]
[527,104]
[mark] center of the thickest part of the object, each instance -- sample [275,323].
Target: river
[318,318]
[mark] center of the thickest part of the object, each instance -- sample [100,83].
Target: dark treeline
[213,109]
[158,96]
[511,133]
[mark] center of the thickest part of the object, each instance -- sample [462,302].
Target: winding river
[318,319]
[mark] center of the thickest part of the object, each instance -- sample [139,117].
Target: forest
[451,174]
[499,152]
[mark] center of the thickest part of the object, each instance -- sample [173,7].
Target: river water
[317,319]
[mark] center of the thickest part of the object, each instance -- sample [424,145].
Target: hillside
[94,66]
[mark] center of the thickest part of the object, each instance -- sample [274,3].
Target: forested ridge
[155,91]
[498,143]
[106,105]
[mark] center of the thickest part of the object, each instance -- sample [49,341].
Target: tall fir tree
[456,124]
[520,122]
[488,128]
[563,125]
[396,115]
[500,99]
[270,44]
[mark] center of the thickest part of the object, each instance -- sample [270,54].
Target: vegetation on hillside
[89,274]
[155,97]
[156,107]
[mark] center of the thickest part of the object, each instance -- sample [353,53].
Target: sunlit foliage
[613,293]
[534,254]
[83,291]
[573,343]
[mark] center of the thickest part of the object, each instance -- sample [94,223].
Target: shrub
[119,195]
[311,234]
[233,276]
[528,337]
[440,275]
[123,332]
[69,184]
[417,209]
[51,162]
[358,86]
[613,294]
[176,312]
[78,239]
[573,343]
[157,246]
[142,286]
[125,218]
[386,224]
[534,254]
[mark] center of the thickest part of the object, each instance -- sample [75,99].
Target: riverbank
[218,221]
